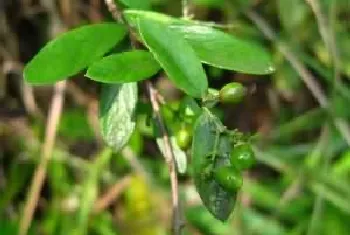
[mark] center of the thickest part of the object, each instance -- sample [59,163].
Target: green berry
[233,92]
[229,178]
[242,156]
[183,138]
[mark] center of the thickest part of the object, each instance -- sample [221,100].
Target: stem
[185,8]
[40,172]
[169,154]
[111,194]
[169,159]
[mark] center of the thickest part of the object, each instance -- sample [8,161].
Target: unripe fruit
[183,138]
[229,178]
[242,156]
[232,93]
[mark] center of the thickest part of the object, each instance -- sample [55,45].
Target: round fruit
[232,93]
[183,138]
[229,178]
[242,156]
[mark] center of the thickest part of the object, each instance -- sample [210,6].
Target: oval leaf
[132,17]
[218,202]
[117,107]
[225,51]
[230,52]
[129,66]
[175,55]
[71,52]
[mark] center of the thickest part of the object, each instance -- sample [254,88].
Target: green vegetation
[175,117]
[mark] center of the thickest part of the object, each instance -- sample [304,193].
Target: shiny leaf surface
[117,107]
[71,52]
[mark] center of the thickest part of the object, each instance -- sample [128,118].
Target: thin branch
[113,9]
[50,135]
[169,154]
[169,158]
[135,164]
[40,172]
[185,8]
[309,80]
[111,194]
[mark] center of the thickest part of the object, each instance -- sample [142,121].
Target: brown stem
[40,172]
[169,154]
[111,194]
[169,159]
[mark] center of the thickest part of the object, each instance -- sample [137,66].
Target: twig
[113,9]
[185,8]
[19,129]
[40,172]
[111,195]
[309,80]
[50,135]
[169,155]
[169,158]
[135,164]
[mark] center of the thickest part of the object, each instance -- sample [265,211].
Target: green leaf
[71,52]
[226,51]
[129,66]
[208,142]
[180,156]
[189,108]
[117,107]
[8,227]
[230,52]
[137,4]
[132,17]
[175,56]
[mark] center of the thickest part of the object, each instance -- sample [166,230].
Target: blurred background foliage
[301,184]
